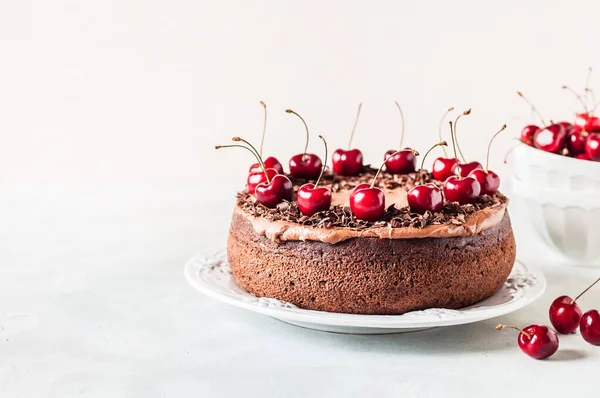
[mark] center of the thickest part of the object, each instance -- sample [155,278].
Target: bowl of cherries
[556,182]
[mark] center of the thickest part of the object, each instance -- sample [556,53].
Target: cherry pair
[270,188]
[566,317]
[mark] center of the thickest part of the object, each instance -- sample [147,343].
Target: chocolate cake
[332,261]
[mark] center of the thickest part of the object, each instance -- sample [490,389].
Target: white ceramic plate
[212,276]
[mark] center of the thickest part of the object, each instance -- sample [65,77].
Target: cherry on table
[551,138]
[592,146]
[270,162]
[589,327]
[310,197]
[305,165]
[537,341]
[565,314]
[426,197]
[488,180]
[348,162]
[401,161]
[527,134]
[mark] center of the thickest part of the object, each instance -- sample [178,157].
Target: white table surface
[93,303]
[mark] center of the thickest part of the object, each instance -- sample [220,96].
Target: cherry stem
[307,134]
[441,143]
[500,327]
[587,86]
[324,162]
[262,141]
[578,97]
[354,128]
[440,128]
[533,108]
[388,158]
[454,147]
[511,150]
[589,90]
[260,162]
[402,121]
[487,159]
[465,113]
[585,291]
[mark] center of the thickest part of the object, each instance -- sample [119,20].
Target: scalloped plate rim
[410,320]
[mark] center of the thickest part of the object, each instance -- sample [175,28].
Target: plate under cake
[334,262]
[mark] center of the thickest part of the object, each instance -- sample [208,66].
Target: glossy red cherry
[462,190]
[527,134]
[270,163]
[367,202]
[488,180]
[256,177]
[565,315]
[593,124]
[589,327]
[443,168]
[551,138]
[271,194]
[403,162]
[464,169]
[576,141]
[348,162]
[537,341]
[567,126]
[583,156]
[592,146]
[312,198]
[424,198]
[305,165]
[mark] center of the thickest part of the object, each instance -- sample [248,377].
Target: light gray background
[109,111]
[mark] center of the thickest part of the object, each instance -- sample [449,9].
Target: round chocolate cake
[332,261]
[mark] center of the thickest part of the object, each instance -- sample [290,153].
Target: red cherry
[583,156]
[347,163]
[271,194]
[270,163]
[367,202]
[462,190]
[537,341]
[567,126]
[311,198]
[589,327]
[593,124]
[403,162]
[580,119]
[488,180]
[464,169]
[256,177]
[551,138]
[424,198]
[443,168]
[305,165]
[527,134]
[565,315]
[592,146]
[576,141]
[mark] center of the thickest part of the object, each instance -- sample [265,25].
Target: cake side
[370,275]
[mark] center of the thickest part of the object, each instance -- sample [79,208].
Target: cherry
[527,134]
[589,327]
[457,188]
[489,181]
[551,138]
[465,168]
[256,177]
[576,141]
[537,341]
[273,190]
[583,156]
[565,314]
[445,167]
[593,124]
[592,146]
[348,162]
[368,201]
[305,165]
[311,198]
[403,161]
[427,197]
[270,162]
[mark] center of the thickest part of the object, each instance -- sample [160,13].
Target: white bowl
[560,197]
